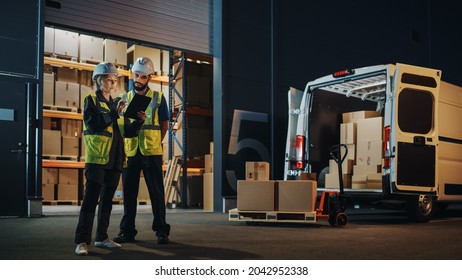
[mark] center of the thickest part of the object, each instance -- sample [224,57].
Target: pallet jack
[332,203]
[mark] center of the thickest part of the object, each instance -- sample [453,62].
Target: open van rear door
[416,129]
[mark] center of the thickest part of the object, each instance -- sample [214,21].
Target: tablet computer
[138,103]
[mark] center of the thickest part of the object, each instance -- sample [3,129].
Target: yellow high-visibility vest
[97,143]
[149,137]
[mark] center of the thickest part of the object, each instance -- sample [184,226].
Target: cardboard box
[332,181]
[369,152]
[67,75]
[369,129]
[308,176]
[115,52]
[358,115]
[136,51]
[68,192]
[351,148]
[208,162]
[351,152]
[374,181]
[256,195]
[68,176]
[70,146]
[359,181]
[71,128]
[49,42]
[48,191]
[90,48]
[48,89]
[49,176]
[46,123]
[257,171]
[208,191]
[348,133]
[347,166]
[51,142]
[66,43]
[364,169]
[67,95]
[297,195]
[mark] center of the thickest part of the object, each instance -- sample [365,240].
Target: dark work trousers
[152,170]
[99,191]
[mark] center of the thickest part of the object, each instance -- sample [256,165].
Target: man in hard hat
[104,156]
[144,153]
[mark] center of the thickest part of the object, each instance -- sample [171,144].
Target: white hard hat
[143,65]
[104,68]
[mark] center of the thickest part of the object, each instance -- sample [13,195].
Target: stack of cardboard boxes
[84,48]
[60,184]
[367,172]
[361,132]
[64,89]
[258,193]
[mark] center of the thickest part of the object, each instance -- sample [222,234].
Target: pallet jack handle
[336,154]
[337,216]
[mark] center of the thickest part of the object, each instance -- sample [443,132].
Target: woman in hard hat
[104,156]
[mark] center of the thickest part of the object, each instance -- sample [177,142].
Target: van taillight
[386,143]
[300,152]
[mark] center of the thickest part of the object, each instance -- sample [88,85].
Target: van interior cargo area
[328,104]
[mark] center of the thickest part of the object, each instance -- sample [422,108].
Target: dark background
[269,46]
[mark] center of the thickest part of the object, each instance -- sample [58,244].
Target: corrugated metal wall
[180,24]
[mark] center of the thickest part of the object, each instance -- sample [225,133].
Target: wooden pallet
[59,202]
[236,215]
[60,108]
[61,56]
[89,61]
[60,157]
[139,202]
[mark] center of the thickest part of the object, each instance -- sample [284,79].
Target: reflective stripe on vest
[97,144]
[149,137]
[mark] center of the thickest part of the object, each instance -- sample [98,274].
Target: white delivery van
[401,125]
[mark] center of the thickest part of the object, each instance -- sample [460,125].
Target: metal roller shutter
[179,24]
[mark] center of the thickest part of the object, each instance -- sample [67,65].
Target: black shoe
[124,238]
[162,239]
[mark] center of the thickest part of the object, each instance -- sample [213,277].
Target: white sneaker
[81,249]
[108,243]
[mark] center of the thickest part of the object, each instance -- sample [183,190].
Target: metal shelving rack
[178,116]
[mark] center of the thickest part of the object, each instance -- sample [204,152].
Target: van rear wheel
[421,208]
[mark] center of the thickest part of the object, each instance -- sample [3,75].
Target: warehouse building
[239,60]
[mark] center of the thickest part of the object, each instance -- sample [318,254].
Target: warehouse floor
[370,234]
